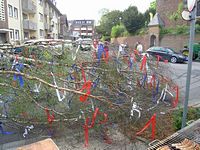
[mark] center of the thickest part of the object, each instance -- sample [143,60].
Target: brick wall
[165,8]
[132,40]
[177,41]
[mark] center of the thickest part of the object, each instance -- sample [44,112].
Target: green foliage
[151,10]
[197,28]
[182,29]
[193,114]
[153,5]
[109,20]
[142,31]
[132,19]
[118,31]
[177,15]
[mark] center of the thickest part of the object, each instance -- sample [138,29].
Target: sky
[90,9]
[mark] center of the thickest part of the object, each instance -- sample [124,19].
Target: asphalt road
[180,75]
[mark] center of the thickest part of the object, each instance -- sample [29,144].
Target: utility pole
[191,41]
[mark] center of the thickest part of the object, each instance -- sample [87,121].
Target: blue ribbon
[4,132]
[145,78]
[154,93]
[95,83]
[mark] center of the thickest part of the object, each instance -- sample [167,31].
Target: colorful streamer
[4,132]
[86,86]
[152,122]
[175,102]
[50,118]
[86,126]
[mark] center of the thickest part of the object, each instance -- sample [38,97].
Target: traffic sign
[190,4]
[186,15]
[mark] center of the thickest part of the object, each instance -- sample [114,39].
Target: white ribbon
[37,88]
[74,56]
[135,108]
[28,128]
[57,91]
[162,96]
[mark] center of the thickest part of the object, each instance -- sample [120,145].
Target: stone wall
[176,42]
[132,40]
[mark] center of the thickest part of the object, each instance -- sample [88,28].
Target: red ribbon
[175,102]
[86,86]
[50,118]
[158,59]
[153,81]
[143,64]
[87,126]
[153,128]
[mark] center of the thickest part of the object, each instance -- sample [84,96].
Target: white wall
[40,25]
[13,22]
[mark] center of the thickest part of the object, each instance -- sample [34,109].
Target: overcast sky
[89,9]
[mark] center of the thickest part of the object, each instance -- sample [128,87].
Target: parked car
[196,51]
[167,53]
[85,44]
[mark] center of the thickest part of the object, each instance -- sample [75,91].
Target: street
[180,75]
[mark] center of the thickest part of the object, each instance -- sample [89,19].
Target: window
[41,33]
[10,10]
[26,35]
[40,2]
[56,26]
[16,34]
[41,17]
[89,22]
[2,11]
[15,12]
[12,34]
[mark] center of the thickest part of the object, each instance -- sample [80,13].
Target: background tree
[118,30]
[132,19]
[107,21]
[152,10]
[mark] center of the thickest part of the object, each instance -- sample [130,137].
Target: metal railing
[29,25]
[28,6]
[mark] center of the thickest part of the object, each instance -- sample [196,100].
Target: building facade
[4,31]
[82,28]
[14,20]
[22,20]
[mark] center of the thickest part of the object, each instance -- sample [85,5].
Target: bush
[118,30]
[193,114]
[183,29]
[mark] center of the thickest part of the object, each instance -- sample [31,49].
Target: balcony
[46,26]
[28,6]
[29,25]
[50,29]
[83,28]
[50,15]
[46,11]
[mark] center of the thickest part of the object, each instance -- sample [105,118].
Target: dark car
[167,53]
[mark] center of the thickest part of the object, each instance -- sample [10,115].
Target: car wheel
[173,59]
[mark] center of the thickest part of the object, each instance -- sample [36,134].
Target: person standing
[139,48]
